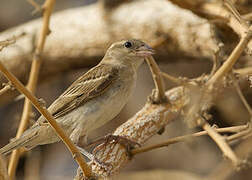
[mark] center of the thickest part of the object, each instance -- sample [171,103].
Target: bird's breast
[104,108]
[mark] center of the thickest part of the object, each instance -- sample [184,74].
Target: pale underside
[92,113]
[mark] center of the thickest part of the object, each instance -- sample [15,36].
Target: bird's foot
[122,140]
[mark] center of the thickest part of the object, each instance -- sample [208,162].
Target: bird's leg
[122,140]
[92,157]
[75,135]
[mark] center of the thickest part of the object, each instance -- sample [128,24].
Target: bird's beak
[144,51]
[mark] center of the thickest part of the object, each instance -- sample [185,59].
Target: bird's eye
[128,44]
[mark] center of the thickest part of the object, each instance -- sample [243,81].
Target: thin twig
[221,142]
[244,71]
[239,135]
[71,147]
[233,129]
[10,41]
[32,83]
[37,7]
[173,79]
[247,17]
[158,80]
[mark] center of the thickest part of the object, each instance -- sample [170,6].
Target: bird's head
[130,51]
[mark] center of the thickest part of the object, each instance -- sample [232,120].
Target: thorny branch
[217,77]
[32,82]
[228,64]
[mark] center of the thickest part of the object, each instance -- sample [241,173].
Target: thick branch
[140,128]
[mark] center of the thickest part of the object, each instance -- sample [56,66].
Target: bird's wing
[95,82]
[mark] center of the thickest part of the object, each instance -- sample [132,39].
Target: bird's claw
[122,140]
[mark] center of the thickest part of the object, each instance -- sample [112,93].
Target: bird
[92,100]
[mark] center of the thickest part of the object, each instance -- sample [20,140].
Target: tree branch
[228,64]
[223,145]
[159,92]
[234,129]
[111,157]
[32,83]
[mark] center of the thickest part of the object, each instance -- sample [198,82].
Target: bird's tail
[23,141]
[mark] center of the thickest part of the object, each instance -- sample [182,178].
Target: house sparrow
[92,100]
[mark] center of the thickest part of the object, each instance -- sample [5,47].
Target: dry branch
[32,83]
[212,83]
[141,127]
[80,35]
[236,53]
[158,95]
[9,41]
[223,145]
[234,129]
[224,169]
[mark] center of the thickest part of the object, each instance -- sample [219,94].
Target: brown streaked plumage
[84,89]
[93,99]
